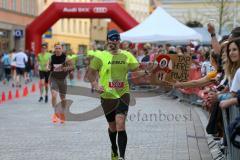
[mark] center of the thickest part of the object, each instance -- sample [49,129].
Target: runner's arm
[93,69]
[48,66]
[69,66]
[92,75]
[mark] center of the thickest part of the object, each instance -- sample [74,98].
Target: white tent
[160,27]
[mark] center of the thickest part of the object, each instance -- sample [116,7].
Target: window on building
[80,26]
[23,8]
[68,25]
[62,25]
[32,8]
[5,4]
[14,5]
[67,46]
[74,26]
[85,28]
[28,6]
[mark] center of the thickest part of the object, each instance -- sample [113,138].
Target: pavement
[158,128]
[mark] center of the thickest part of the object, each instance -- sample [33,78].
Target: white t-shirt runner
[20,59]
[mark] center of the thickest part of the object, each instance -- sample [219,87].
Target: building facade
[139,9]
[98,29]
[14,16]
[73,33]
[204,11]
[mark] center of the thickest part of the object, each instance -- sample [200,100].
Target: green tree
[224,12]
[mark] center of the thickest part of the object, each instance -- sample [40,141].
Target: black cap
[113,35]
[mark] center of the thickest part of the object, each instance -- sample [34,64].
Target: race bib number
[57,67]
[116,84]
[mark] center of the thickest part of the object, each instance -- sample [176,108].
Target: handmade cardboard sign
[170,68]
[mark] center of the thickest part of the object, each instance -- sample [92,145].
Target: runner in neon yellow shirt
[113,66]
[72,56]
[43,59]
[93,51]
[113,70]
[90,55]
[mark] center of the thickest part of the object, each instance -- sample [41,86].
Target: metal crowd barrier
[233,153]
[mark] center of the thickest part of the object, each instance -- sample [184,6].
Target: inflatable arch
[59,10]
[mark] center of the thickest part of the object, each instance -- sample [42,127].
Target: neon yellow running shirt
[92,53]
[113,72]
[43,60]
[74,59]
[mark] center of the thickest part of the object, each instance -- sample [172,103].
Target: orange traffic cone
[25,91]
[33,87]
[17,94]
[10,95]
[3,97]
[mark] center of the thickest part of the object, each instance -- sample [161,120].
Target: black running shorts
[44,75]
[20,71]
[59,85]
[112,107]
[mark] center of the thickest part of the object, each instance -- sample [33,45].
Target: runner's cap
[113,35]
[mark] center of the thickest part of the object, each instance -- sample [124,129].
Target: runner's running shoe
[62,118]
[40,99]
[54,118]
[114,156]
[46,99]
